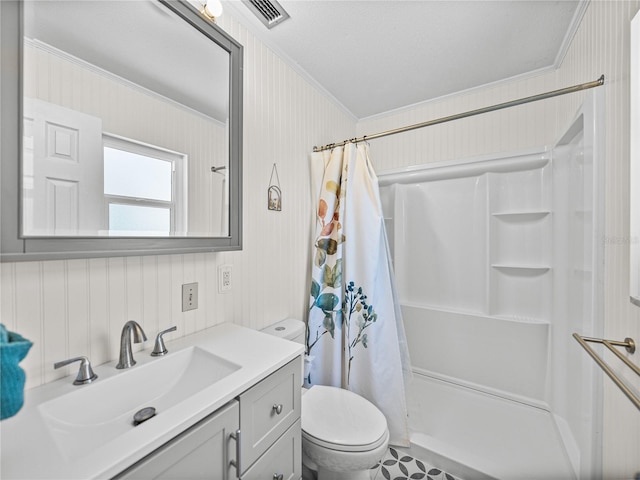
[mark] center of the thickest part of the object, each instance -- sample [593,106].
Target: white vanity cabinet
[270,426]
[282,461]
[200,452]
[267,417]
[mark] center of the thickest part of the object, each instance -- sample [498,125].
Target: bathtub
[481,413]
[476,436]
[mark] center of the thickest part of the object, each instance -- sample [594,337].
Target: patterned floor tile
[397,465]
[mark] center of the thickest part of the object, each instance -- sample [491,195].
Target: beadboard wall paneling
[600,46]
[78,307]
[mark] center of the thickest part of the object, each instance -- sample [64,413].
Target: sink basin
[98,413]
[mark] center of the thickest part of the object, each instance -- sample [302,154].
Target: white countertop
[28,451]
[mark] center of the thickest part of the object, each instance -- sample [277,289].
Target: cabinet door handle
[278,408]
[278,476]
[237,463]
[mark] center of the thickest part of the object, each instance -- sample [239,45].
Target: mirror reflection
[125,132]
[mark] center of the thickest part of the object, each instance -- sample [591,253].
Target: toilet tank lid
[289,328]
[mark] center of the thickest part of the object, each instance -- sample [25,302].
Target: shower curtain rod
[512,103]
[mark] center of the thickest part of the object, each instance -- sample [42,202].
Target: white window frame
[179,164]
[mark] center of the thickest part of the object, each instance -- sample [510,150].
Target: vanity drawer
[283,458]
[268,409]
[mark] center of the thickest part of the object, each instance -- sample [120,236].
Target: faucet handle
[159,348]
[85,374]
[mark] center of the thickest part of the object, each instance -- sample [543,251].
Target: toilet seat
[341,420]
[346,448]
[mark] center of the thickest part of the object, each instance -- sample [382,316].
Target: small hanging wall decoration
[274,194]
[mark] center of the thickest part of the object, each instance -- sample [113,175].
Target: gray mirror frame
[14,247]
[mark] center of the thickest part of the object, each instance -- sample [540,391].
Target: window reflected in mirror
[140,191]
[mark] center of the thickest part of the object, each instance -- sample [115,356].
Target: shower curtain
[355,337]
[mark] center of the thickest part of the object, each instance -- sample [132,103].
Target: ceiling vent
[269,12]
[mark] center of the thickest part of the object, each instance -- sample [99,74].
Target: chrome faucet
[85,373]
[130,330]
[159,348]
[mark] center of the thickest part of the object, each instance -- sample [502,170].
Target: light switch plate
[189,296]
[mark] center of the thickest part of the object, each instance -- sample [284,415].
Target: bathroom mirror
[634,158]
[128,124]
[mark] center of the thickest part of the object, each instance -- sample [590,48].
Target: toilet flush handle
[278,476]
[278,408]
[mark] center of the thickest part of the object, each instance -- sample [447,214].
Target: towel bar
[629,345]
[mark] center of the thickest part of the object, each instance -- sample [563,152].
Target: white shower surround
[497,264]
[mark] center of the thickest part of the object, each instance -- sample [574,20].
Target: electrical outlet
[224,278]
[189,296]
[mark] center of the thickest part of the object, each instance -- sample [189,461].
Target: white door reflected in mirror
[61,189]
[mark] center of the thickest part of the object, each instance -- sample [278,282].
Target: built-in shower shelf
[522,319]
[584,214]
[522,269]
[522,216]
[584,273]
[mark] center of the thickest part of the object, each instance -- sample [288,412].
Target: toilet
[343,434]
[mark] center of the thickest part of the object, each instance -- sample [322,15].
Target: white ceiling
[374,56]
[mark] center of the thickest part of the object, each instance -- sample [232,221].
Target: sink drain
[143,415]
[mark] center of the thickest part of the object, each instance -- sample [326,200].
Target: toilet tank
[289,329]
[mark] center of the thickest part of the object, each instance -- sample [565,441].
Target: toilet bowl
[343,434]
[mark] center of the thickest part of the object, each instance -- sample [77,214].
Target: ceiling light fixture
[212,9]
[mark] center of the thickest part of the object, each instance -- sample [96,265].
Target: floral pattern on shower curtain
[355,337]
